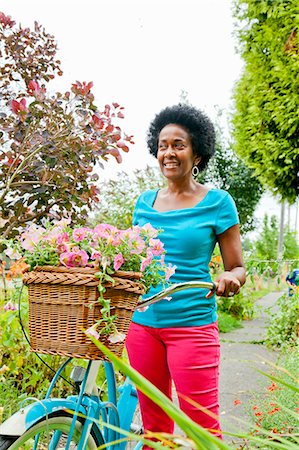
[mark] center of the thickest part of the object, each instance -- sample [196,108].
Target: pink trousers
[187,355]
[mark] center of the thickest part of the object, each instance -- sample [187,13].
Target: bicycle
[83,421]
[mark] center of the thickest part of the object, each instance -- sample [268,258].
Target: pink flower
[92,332]
[135,229]
[62,242]
[146,261]
[156,246]
[20,107]
[63,248]
[96,261]
[10,306]
[96,255]
[115,237]
[62,238]
[104,230]
[53,235]
[63,223]
[118,261]
[79,234]
[169,271]
[137,245]
[31,237]
[77,258]
[150,230]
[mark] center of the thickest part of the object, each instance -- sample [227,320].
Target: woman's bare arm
[234,275]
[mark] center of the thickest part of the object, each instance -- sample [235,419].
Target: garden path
[242,353]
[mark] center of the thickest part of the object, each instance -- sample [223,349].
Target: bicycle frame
[116,412]
[98,415]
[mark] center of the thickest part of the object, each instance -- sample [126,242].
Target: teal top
[189,236]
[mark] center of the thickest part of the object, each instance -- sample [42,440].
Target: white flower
[92,332]
[116,337]
[105,262]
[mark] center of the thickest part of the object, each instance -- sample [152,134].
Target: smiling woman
[181,336]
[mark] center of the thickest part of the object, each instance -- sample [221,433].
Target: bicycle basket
[61,306]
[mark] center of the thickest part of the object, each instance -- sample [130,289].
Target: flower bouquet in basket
[86,281]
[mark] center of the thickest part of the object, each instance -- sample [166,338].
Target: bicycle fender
[26,417]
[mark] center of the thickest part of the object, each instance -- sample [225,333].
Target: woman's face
[175,154]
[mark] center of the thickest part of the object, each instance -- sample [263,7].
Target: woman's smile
[171,164]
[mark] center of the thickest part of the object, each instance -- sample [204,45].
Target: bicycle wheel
[45,430]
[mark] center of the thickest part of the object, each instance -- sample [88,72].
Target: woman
[178,339]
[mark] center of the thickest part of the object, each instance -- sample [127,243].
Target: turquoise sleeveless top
[189,236]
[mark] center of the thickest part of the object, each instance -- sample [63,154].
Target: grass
[227,323]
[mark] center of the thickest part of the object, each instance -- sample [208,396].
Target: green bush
[283,329]
[22,373]
[239,306]
[227,323]
[265,246]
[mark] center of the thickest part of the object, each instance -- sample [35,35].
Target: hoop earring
[195,171]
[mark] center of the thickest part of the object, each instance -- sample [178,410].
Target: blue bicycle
[83,421]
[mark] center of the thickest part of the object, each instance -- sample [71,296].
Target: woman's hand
[227,285]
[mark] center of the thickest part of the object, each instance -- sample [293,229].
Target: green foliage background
[229,172]
[265,121]
[265,246]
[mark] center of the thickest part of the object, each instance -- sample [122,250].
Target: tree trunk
[296,218]
[281,230]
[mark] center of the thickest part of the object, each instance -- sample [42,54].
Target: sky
[142,54]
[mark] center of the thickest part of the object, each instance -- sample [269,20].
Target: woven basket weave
[59,311]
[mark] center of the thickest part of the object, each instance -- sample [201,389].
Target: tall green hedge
[265,120]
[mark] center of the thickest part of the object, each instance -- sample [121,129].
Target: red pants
[187,355]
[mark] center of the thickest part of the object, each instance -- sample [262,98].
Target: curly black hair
[198,125]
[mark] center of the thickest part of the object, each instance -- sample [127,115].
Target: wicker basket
[59,311]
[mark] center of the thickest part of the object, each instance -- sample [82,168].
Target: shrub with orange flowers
[16,269]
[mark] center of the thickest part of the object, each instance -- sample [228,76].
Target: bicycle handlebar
[176,288]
